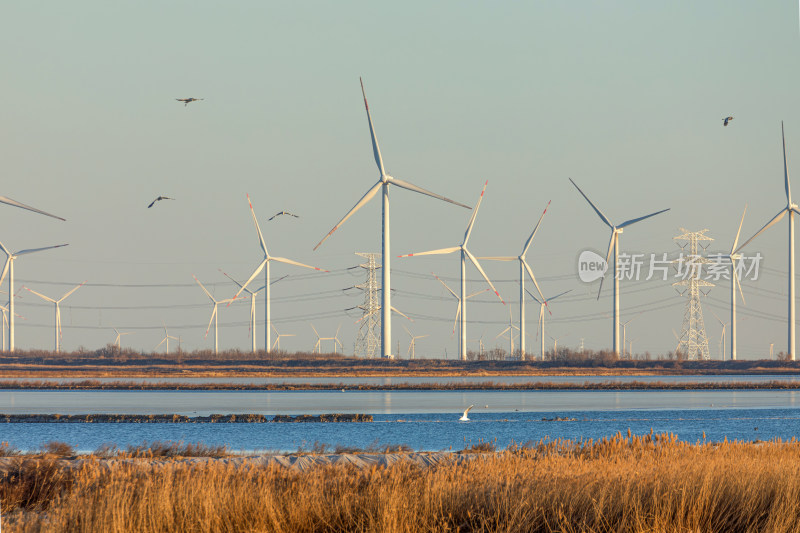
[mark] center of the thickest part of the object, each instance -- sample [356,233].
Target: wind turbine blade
[213,314]
[739,284]
[229,277]
[6,250]
[557,295]
[15,203]
[533,279]
[5,271]
[375,148]
[434,252]
[718,318]
[769,224]
[476,293]
[315,330]
[474,214]
[255,273]
[364,199]
[411,187]
[530,239]
[70,292]
[206,290]
[409,333]
[596,210]
[534,297]
[32,250]
[786,169]
[635,220]
[445,286]
[160,343]
[295,263]
[400,313]
[503,332]
[40,295]
[478,266]
[258,228]
[736,240]
[458,313]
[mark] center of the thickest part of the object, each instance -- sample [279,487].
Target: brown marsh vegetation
[626,483]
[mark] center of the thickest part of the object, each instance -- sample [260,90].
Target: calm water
[425,420]
[443,379]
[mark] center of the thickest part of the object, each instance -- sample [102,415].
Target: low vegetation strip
[93,384]
[178,419]
[625,483]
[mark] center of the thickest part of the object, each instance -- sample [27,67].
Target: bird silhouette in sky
[187,101]
[726,120]
[157,199]
[283,213]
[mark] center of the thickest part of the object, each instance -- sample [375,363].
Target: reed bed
[651,483]
[94,384]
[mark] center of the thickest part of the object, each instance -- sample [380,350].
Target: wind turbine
[624,334]
[613,244]
[277,344]
[458,309]
[58,311]
[264,265]
[722,336]
[524,267]
[555,343]
[465,253]
[166,339]
[119,336]
[510,330]
[630,346]
[384,181]
[791,209]
[735,282]
[412,346]
[542,304]
[335,339]
[214,314]
[9,267]
[253,295]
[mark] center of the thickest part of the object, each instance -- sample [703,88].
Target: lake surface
[426,420]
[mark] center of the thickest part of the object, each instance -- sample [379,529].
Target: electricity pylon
[368,341]
[693,341]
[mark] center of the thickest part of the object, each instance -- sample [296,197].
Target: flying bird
[726,120]
[187,101]
[157,199]
[464,417]
[283,213]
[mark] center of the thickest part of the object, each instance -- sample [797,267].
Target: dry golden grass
[650,483]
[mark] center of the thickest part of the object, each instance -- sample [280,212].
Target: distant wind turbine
[542,304]
[791,209]
[735,282]
[57,310]
[214,314]
[277,344]
[412,352]
[613,245]
[383,185]
[458,299]
[465,253]
[722,336]
[166,339]
[523,268]
[117,340]
[253,295]
[264,265]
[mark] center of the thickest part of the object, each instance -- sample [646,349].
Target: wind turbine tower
[369,337]
[693,340]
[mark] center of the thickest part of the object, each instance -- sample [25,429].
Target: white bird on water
[464,417]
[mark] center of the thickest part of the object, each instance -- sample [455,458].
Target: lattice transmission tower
[368,341]
[693,341]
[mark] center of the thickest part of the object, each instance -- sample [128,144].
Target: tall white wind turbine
[58,311]
[120,334]
[735,282]
[412,346]
[791,209]
[277,344]
[613,244]
[166,339]
[214,314]
[523,268]
[383,185]
[9,267]
[465,253]
[264,265]
[542,304]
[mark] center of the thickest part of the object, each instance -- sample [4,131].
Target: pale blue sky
[624,97]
